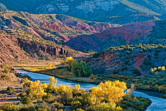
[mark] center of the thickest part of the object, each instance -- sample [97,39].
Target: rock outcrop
[43,51]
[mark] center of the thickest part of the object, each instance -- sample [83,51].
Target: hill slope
[54,27]
[113,11]
[122,35]
[40,36]
[150,32]
[10,50]
[134,60]
[58,35]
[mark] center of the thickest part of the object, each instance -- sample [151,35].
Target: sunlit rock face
[85,6]
[91,6]
[52,7]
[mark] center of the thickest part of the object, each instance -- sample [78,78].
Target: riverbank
[155,94]
[134,104]
[71,78]
[66,76]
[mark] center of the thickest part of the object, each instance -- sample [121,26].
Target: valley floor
[58,69]
[144,84]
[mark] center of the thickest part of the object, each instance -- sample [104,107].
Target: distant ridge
[113,11]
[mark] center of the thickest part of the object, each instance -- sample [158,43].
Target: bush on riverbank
[146,83]
[139,103]
[50,97]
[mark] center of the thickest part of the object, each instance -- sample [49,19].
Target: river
[158,104]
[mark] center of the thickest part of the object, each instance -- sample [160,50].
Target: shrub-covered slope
[134,60]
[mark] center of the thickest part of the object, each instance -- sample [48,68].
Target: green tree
[81,69]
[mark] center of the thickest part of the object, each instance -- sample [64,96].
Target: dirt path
[139,60]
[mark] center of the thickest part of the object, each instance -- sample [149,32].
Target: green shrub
[49,98]
[10,90]
[103,107]
[96,55]
[4,77]
[58,105]
[75,105]
[138,103]
[26,100]
[22,95]
[147,62]
[137,72]
[2,66]
[43,107]
[7,70]
[9,107]
[28,108]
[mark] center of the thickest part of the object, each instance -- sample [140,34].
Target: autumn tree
[52,84]
[37,89]
[108,92]
[69,60]
[66,94]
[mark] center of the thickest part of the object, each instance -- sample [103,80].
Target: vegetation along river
[158,104]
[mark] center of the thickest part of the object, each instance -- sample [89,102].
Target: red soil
[139,60]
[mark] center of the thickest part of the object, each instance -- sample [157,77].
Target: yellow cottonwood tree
[52,82]
[37,89]
[108,92]
[66,93]
[69,60]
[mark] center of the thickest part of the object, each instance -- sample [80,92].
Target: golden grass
[39,68]
[36,63]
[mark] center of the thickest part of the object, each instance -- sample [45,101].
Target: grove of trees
[80,69]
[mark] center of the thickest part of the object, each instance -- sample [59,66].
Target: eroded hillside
[25,35]
[126,34]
